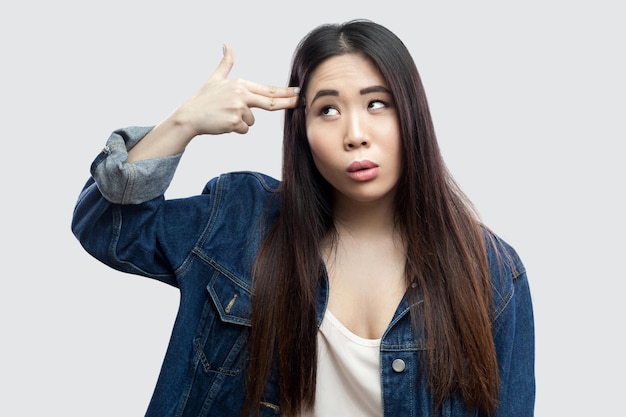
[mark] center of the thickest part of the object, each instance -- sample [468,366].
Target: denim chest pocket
[223,329]
[232,299]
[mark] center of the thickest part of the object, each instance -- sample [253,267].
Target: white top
[348,373]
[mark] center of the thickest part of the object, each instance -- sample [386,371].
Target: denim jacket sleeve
[122,182]
[134,192]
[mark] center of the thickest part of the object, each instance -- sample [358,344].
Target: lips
[360,165]
[362,170]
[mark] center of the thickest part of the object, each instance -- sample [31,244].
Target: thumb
[225,65]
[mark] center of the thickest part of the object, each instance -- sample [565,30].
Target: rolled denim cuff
[123,182]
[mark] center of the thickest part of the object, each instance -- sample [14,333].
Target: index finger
[269,97]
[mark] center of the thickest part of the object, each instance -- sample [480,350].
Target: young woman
[362,284]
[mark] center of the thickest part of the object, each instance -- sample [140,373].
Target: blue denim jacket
[204,245]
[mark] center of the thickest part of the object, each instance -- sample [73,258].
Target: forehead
[345,70]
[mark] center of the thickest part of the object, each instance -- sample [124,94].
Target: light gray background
[528,103]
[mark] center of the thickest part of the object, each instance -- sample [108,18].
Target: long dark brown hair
[446,249]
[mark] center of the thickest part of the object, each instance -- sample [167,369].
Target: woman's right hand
[220,106]
[223,106]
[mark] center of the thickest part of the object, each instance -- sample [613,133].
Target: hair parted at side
[445,241]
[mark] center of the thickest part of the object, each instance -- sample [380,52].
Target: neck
[365,219]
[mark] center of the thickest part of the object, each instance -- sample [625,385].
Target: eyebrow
[364,91]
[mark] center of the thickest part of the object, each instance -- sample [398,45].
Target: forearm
[168,138]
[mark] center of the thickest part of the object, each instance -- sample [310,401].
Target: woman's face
[353,130]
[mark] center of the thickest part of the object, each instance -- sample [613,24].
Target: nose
[356,135]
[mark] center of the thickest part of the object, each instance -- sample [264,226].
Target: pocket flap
[232,298]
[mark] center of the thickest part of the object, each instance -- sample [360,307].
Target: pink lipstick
[362,170]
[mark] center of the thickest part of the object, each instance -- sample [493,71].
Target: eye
[329,111]
[376,104]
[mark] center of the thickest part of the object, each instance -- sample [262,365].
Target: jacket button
[398,365]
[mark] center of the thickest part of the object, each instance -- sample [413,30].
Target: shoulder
[242,200]
[501,254]
[241,181]
[507,270]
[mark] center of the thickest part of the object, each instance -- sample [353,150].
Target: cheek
[317,143]
[319,153]
[394,143]
[324,157]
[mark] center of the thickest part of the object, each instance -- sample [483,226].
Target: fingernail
[223,49]
[296,90]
